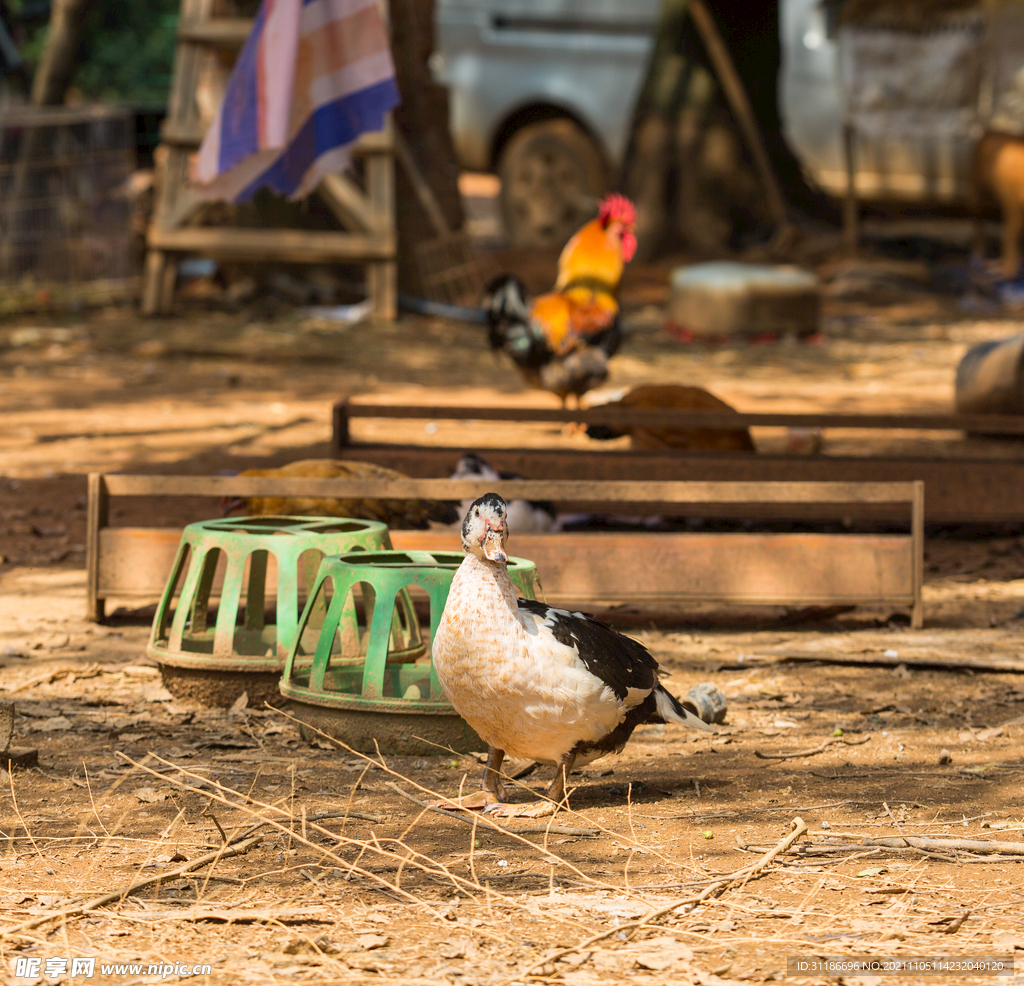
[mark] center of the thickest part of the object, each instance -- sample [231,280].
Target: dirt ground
[333,872]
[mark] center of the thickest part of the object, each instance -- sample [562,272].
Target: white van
[543,92]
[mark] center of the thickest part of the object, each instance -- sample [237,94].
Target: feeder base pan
[221,689]
[19,758]
[404,734]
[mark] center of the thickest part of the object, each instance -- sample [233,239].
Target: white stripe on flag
[358,75]
[277,55]
[208,160]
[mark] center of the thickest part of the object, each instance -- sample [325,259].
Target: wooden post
[851,210]
[156,264]
[340,437]
[97,517]
[917,546]
[382,275]
[740,105]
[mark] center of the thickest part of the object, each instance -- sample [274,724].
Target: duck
[533,681]
[526,516]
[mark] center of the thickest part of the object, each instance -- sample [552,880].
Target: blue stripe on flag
[329,126]
[239,132]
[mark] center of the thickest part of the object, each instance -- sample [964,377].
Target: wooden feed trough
[960,490]
[658,571]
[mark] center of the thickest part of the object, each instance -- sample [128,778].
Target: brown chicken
[397,514]
[671,396]
[998,169]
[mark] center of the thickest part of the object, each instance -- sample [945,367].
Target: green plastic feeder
[360,668]
[213,655]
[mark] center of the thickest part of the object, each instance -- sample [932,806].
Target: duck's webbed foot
[492,791]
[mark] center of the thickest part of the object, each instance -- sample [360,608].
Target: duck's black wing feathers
[619,661]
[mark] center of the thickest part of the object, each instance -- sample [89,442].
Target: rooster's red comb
[616,208]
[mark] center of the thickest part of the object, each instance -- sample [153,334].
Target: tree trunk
[60,56]
[422,119]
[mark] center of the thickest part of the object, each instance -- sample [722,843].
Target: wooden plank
[755,569]
[917,548]
[222,32]
[558,491]
[97,518]
[135,562]
[382,276]
[585,568]
[350,206]
[662,418]
[184,134]
[294,245]
[985,491]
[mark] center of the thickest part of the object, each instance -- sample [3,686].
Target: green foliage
[127,52]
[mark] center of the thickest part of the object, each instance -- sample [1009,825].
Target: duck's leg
[492,791]
[556,794]
[556,789]
[491,784]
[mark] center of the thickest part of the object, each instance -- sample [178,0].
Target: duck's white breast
[505,673]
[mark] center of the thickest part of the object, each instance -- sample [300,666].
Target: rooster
[563,340]
[397,514]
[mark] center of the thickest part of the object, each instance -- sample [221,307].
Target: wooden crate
[960,490]
[578,568]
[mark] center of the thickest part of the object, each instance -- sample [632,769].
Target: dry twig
[810,753]
[526,830]
[741,876]
[195,864]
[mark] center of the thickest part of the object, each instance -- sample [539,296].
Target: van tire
[552,176]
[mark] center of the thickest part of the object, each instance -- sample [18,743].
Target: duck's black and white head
[485,529]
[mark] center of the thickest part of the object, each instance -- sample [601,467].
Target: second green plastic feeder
[360,667]
[213,651]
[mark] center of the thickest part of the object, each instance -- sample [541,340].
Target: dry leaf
[371,941]
[872,871]
[140,671]
[150,795]
[657,954]
[366,963]
[1009,940]
[459,949]
[610,962]
[240,703]
[175,857]
[655,961]
[991,733]
[55,724]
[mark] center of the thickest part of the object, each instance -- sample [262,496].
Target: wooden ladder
[366,215]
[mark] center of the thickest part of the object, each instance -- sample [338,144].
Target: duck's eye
[476,513]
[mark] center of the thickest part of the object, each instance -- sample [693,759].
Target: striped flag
[312,77]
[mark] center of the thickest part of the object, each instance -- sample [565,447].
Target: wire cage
[64,211]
